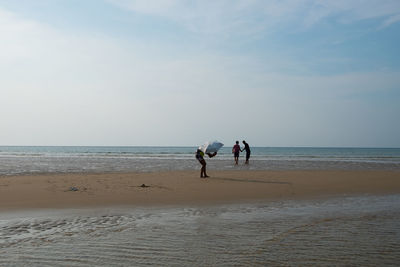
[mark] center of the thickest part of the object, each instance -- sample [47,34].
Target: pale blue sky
[125,72]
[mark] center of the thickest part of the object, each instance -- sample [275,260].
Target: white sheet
[211,146]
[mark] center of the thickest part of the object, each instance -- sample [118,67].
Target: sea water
[346,231]
[31,160]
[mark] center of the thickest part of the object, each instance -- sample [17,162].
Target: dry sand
[185,187]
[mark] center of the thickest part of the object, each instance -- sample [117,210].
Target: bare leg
[203,173]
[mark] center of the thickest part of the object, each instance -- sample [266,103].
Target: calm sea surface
[28,160]
[345,231]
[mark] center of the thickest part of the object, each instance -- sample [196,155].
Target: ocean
[16,160]
[341,231]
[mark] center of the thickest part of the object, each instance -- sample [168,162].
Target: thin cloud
[252,17]
[391,20]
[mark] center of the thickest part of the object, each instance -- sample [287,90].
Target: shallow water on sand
[342,231]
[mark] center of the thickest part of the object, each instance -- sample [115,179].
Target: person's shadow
[249,180]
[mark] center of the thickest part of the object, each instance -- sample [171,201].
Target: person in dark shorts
[200,158]
[236,150]
[247,148]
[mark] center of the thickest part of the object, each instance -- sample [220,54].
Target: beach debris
[73,188]
[143,186]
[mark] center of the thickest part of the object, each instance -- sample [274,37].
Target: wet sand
[186,188]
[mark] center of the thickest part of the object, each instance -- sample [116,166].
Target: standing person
[247,148]
[200,158]
[236,150]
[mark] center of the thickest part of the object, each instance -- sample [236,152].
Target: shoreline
[55,191]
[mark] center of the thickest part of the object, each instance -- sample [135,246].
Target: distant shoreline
[76,190]
[195,146]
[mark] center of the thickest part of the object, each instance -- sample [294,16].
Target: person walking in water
[200,158]
[247,148]
[236,150]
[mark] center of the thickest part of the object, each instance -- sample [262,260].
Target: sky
[178,73]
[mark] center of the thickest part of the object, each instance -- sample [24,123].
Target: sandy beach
[185,187]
